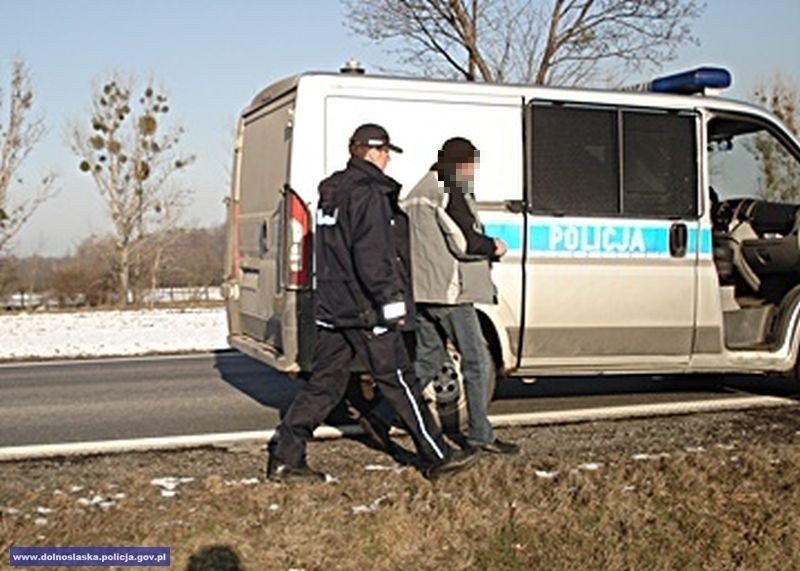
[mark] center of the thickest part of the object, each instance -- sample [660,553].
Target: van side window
[659,169]
[749,158]
[578,169]
[575,161]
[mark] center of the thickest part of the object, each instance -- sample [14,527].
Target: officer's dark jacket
[360,267]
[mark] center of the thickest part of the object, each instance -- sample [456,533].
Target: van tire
[451,402]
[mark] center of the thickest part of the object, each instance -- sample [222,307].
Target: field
[715,491]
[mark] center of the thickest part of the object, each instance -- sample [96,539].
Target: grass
[731,504]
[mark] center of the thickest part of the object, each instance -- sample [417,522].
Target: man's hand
[500,248]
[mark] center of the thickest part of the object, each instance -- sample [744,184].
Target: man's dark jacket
[456,206]
[362,261]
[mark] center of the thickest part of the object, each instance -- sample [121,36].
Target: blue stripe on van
[509,233]
[599,239]
[596,239]
[704,245]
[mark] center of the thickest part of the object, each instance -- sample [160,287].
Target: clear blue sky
[213,56]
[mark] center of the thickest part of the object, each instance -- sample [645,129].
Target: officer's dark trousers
[386,357]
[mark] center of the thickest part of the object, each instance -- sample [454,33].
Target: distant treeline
[182,258]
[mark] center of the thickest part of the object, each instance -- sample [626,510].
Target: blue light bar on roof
[694,81]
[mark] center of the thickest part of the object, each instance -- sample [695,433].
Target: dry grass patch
[561,504]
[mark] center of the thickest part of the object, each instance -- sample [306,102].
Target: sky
[212,57]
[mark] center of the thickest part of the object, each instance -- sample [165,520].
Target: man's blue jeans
[460,325]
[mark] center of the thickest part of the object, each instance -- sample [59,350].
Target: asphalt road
[48,403]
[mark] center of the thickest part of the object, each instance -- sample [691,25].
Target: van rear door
[262,226]
[613,238]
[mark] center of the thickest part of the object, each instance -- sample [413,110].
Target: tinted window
[575,161]
[659,172]
[577,168]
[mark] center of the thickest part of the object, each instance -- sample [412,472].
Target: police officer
[360,304]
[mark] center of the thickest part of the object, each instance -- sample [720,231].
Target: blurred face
[466,171]
[378,156]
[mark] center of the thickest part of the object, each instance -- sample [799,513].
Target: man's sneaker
[458,460]
[377,433]
[498,446]
[284,474]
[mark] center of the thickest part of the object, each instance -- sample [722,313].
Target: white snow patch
[545,474]
[170,483]
[590,466]
[362,509]
[40,521]
[93,502]
[650,456]
[242,482]
[109,333]
[383,468]
[76,489]
[695,449]
[273,507]
[44,511]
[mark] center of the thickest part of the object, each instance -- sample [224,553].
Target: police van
[642,237]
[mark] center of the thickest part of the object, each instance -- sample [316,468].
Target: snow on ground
[110,333]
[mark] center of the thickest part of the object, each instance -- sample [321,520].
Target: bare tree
[9,276]
[558,42]
[156,243]
[131,156]
[19,133]
[778,171]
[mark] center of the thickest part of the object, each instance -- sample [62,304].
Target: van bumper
[265,353]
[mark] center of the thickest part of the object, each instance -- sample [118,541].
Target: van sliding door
[613,238]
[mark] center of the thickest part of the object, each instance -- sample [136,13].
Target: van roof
[284,86]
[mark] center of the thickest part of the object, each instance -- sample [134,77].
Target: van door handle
[263,236]
[678,237]
[515,206]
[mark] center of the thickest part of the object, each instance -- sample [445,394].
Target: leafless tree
[132,155]
[557,42]
[9,276]
[778,171]
[156,243]
[19,133]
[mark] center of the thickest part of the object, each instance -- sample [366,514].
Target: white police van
[639,236]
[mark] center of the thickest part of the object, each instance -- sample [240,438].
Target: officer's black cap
[373,135]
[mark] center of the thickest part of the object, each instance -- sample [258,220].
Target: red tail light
[299,241]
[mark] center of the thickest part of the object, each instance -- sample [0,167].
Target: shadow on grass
[215,558]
